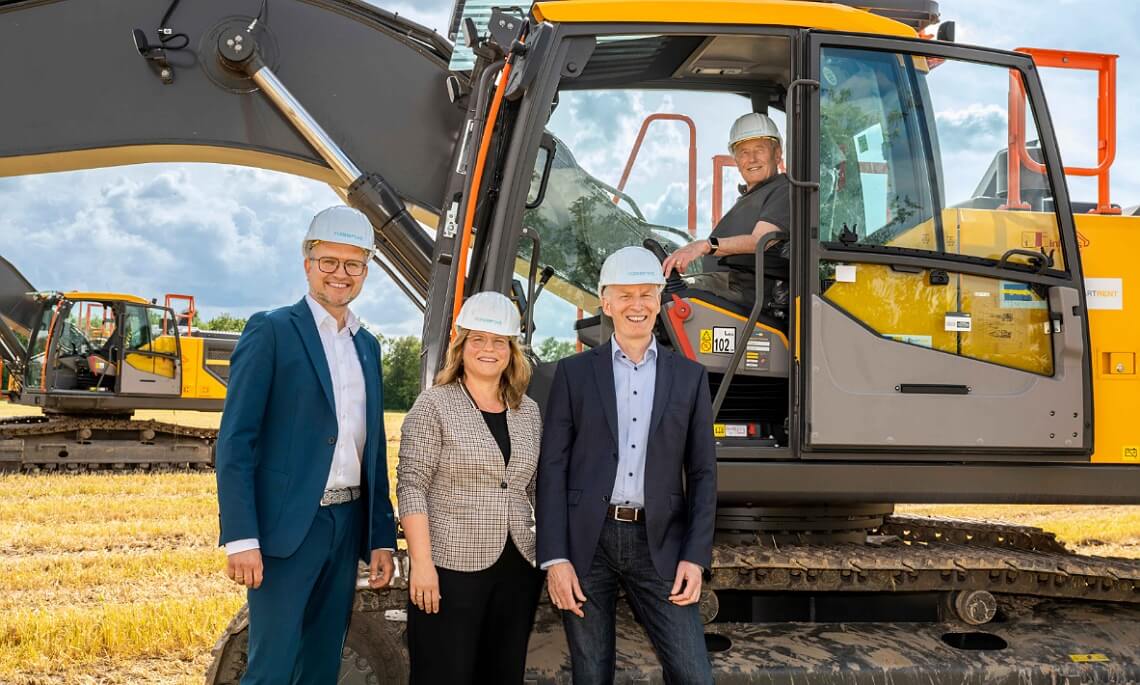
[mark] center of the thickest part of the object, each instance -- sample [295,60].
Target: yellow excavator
[956,328]
[89,361]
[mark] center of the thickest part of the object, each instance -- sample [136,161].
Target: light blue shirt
[633,388]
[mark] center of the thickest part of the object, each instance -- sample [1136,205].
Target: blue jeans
[622,559]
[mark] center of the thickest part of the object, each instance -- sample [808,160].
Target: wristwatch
[714,244]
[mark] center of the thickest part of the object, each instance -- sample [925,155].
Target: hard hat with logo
[751,126]
[490,312]
[341,224]
[631,265]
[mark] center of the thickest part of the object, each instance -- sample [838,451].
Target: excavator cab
[87,350]
[919,291]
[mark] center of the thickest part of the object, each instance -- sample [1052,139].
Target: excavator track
[94,443]
[1038,639]
[919,554]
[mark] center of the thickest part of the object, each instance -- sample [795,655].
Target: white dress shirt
[349,398]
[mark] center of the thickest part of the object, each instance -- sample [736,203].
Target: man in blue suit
[301,463]
[627,485]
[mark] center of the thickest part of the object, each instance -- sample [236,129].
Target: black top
[769,201]
[497,422]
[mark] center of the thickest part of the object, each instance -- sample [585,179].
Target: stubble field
[117,578]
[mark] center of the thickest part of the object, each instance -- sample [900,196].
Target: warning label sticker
[1088,658]
[723,340]
[958,322]
[735,430]
[706,341]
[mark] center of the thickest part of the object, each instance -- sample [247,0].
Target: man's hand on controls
[565,592]
[685,255]
[245,568]
[687,584]
[381,569]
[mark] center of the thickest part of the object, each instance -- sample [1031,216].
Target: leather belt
[625,514]
[339,496]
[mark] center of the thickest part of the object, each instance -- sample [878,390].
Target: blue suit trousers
[298,618]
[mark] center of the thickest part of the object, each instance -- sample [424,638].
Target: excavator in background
[957,329]
[89,361]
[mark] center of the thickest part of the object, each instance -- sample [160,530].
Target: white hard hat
[341,224]
[490,312]
[753,125]
[631,265]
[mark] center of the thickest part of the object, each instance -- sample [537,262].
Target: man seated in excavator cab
[728,254]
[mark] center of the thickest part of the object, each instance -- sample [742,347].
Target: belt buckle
[619,516]
[339,496]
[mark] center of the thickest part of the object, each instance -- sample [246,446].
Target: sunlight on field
[113,579]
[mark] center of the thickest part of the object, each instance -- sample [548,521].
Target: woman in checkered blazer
[465,485]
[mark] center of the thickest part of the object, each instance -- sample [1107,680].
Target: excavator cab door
[151,363]
[941,308]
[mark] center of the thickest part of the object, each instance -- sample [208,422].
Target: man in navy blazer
[301,463]
[627,485]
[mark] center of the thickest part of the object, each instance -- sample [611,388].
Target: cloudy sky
[229,235]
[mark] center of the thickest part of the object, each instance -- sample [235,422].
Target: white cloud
[229,234]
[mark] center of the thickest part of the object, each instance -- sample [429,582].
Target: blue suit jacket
[279,429]
[578,462]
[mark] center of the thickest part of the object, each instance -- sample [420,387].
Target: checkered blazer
[451,469]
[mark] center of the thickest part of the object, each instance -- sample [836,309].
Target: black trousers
[480,633]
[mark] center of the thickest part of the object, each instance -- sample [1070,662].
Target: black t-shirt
[497,422]
[769,201]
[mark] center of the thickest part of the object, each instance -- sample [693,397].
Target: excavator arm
[336,90]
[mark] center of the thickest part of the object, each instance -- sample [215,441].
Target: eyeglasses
[479,342]
[329,265]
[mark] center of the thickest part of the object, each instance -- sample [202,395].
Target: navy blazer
[578,462]
[279,430]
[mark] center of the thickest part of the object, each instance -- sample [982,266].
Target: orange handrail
[720,163]
[665,116]
[1105,66]
[476,181]
[191,310]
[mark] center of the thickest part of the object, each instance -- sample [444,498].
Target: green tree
[222,322]
[553,349]
[401,371]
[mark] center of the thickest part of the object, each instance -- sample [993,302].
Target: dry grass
[1100,530]
[114,579]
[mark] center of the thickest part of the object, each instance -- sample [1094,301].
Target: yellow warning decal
[1088,658]
[1131,453]
[706,341]
[718,428]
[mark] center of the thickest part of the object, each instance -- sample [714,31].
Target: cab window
[913,155]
